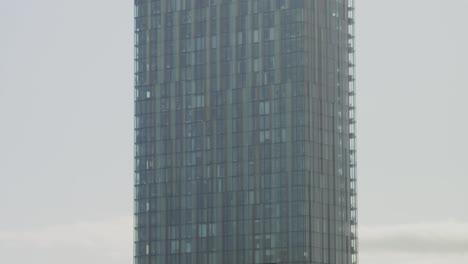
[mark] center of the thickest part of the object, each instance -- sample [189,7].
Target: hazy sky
[66,91]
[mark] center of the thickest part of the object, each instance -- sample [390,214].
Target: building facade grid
[244,132]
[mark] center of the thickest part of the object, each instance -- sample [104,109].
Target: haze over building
[244,132]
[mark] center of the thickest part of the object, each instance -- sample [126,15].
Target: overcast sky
[66,91]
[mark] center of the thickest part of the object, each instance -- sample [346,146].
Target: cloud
[405,258]
[434,238]
[424,243]
[92,242]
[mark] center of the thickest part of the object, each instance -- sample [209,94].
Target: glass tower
[244,132]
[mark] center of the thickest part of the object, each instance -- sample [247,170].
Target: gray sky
[66,131]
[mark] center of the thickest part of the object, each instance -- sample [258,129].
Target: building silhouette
[244,132]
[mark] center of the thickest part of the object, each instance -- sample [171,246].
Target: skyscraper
[244,132]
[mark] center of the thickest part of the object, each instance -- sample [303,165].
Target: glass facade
[244,132]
